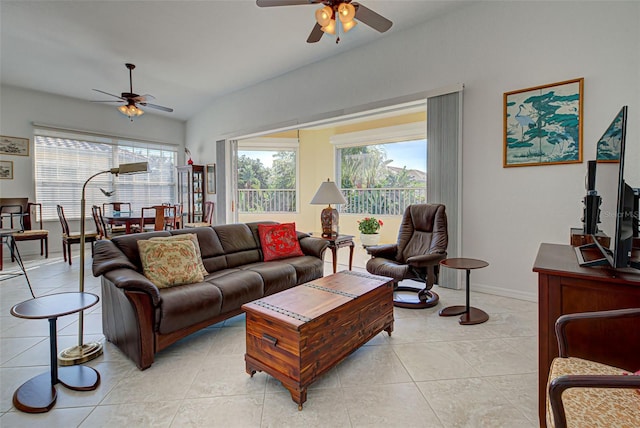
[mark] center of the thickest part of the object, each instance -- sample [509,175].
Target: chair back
[34,218]
[63,221]
[423,231]
[208,212]
[116,207]
[170,216]
[101,226]
[152,218]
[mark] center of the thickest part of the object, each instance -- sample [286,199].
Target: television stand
[590,255]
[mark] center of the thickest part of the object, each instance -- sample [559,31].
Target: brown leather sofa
[142,319]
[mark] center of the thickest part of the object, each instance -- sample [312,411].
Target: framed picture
[543,125]
[211,178]
[6,170]
[14,146]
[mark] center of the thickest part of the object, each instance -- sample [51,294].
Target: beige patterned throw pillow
[169,263]
[182,237]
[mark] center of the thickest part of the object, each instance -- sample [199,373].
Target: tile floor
[432,372]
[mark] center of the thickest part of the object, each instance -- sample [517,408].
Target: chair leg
[64,250]
[46,248]
[69,251]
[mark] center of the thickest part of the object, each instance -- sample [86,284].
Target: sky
[411,154]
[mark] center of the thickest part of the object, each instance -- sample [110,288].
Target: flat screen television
[617,208]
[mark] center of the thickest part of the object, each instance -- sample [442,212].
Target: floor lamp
[88,351]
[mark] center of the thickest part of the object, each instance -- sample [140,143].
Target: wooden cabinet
[564,287]
[191,191]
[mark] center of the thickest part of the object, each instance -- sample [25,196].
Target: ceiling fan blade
[167,109]
[271,3]
[371,18]
[316,34]
[107,101]
[107,93]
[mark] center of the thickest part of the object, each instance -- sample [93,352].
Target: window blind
[65,160]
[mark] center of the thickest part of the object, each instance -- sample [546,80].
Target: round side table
[38,395]
[468,314]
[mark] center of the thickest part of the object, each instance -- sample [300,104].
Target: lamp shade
[346,12]
[323,15]
[328,193]
[131,168]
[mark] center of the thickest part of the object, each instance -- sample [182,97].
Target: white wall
[19,108]
[491,47]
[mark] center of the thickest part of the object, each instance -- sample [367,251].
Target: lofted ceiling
[186,52]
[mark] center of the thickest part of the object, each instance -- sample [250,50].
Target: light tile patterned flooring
[432,372]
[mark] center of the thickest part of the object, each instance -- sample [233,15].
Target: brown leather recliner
[422,243]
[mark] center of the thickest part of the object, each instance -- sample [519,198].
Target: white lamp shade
[328,193]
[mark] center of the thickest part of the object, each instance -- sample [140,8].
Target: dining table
[129,219]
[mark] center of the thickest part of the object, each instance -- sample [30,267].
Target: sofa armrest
[107,257]
[313,246]
[128,279]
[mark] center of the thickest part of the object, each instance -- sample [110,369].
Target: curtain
[444,170]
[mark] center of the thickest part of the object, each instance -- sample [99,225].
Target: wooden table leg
[334,251]
[351,247]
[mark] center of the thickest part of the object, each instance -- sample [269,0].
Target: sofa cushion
[277,276]
[307,268]
[279,241]
[170,263]
[240,247]
[186,236]
[128,244]
[237,286]
[188,305]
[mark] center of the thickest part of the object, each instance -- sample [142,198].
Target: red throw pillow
[279,241]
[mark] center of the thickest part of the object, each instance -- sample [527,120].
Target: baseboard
[504,292]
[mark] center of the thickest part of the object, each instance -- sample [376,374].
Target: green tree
[283,170]
[252,174]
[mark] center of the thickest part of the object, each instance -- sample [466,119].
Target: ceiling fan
[132,100]
[344,11]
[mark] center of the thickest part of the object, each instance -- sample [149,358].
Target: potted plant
[369,227]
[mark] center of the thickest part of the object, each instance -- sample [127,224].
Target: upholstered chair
[422,243]
[582,393]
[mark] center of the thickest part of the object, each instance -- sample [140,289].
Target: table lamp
[88,351]
[328,193]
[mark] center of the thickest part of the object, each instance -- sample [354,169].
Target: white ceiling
[186,52]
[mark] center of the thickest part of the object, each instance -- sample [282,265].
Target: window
[267,175]
[382,171]
[65,160]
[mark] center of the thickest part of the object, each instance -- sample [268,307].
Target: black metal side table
[38,395]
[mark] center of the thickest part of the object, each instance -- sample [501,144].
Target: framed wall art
[6,170]
[14,146]
[543,124]
[211,178]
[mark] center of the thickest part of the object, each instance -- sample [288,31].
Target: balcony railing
[388,201]
[266,200]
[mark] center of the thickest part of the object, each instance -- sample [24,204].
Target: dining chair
[207,219]
[29,233]
[170,217]
[151,219]
[69,238]
[113,207]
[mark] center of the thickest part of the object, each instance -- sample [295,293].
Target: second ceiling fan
[344,11]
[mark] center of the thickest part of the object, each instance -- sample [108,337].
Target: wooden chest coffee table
[299,334]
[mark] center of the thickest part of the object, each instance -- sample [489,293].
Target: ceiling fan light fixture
[346,26]
[346,12]
[330,28]
[324,15]
[130,110]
